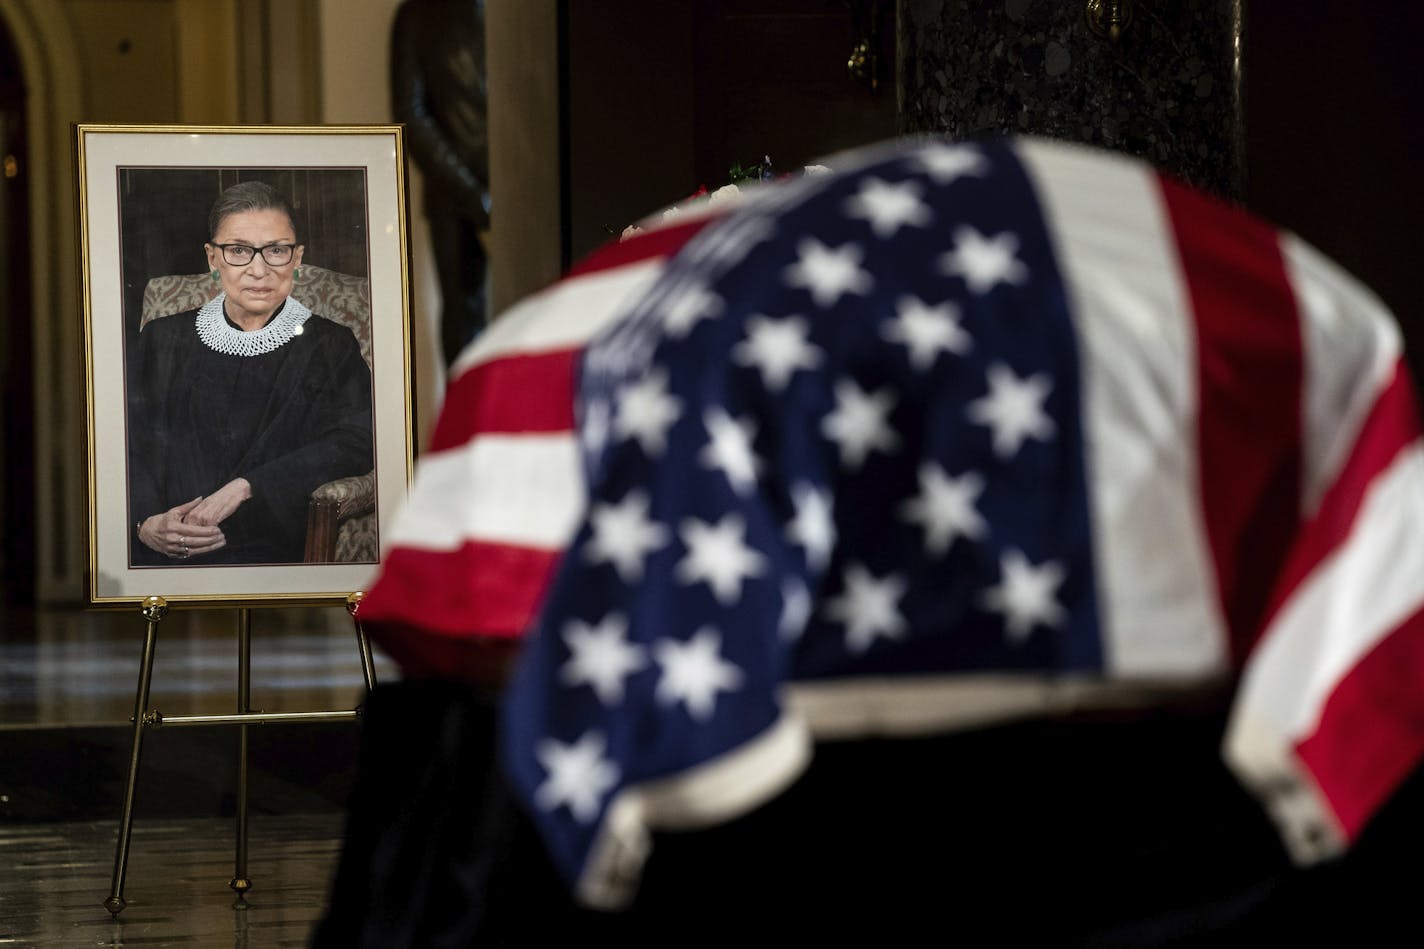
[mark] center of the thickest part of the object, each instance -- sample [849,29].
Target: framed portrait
[248,359]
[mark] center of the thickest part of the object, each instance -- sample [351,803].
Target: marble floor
[67,684]
[53,878]
[71,667]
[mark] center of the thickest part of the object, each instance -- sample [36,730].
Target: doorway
[17,437]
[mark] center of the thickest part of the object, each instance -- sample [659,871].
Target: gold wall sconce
[1109,18]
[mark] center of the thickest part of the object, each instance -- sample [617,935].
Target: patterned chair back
[339,297]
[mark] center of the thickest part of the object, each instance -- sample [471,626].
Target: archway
[17,443]
[40,54]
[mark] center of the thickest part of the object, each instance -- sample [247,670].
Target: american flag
[957,433]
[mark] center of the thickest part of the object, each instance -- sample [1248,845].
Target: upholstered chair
[341,516]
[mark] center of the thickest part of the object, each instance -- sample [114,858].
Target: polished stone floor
[67,684]
[67,667]
[53,878]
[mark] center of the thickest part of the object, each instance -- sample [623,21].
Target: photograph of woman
[239,409]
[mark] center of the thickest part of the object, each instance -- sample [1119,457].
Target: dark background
[1335,139]
[666,96]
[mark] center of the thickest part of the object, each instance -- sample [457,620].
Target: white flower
[725,194]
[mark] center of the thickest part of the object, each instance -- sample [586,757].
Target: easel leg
[240,882]
[154,609]
[368,667]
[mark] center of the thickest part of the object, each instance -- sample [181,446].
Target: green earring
[214,275]
[298,274]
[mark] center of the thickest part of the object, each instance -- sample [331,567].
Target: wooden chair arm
[330,504]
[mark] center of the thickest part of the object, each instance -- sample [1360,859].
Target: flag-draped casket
[956,433]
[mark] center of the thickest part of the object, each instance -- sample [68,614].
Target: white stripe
[566,315]
[1350,348]
[1351,603]
[518,489]
[924,705]
[1353,600]
[1157,593]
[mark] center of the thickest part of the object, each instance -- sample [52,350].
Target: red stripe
[523,393]
[1249,375]
[1393,424]
[1371,731]
[479,589]
[658,242]
[534,392]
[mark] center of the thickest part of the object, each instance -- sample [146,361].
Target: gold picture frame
[145,194]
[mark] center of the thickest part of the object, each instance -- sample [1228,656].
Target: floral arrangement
[737,175]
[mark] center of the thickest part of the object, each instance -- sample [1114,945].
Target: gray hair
[249,196]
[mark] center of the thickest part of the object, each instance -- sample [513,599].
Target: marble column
[1160,79]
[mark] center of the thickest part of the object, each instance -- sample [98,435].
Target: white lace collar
[221,336]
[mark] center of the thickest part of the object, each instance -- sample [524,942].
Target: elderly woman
[239,409]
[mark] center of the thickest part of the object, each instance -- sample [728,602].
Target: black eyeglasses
[240,255]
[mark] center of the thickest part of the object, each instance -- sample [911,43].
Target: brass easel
[154,609]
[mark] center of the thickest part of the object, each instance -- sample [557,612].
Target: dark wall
[17,439]
[628,90]
[773,81]
[1164,87]
[1320,131]
[663,98]
[1335,138]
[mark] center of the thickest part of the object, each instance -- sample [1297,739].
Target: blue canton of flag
[840,440]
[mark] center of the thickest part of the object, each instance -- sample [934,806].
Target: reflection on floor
[67,683]
[53,878]
[54,875]
[73,667]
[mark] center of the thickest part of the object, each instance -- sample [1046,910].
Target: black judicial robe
[287,421]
